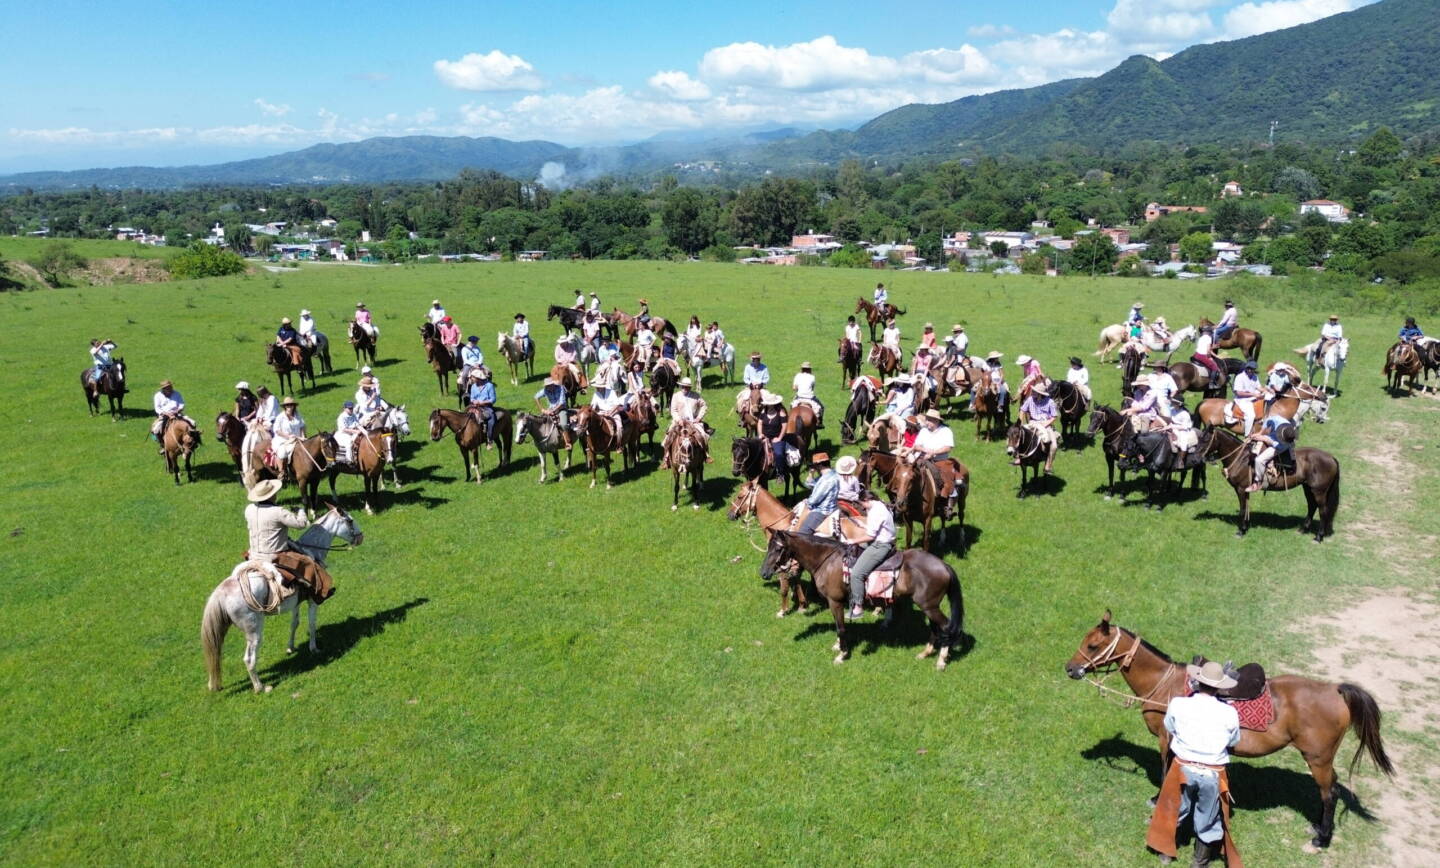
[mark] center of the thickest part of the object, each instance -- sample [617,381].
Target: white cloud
[1248,19]
[1160,21]
[489,72]
[1041,57]
[949,66]
[820,64]
[679,85]
[990,31]
[278,111]
[87,136]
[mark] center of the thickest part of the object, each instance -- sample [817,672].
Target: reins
[1112,662]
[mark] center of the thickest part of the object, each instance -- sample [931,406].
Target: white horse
[1169,344]
[227,604]
[1334,360]
[698,358]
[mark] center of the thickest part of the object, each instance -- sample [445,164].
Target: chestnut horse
[597,436]
[917,498]
[181,439]
[849,358]
[659,325]
[990,408]
[1295,405]
[1312,715]
[111,384]
[686,457]
[441,358]
[470,437]
[372,451]
[1316,471]
[873,317]
[1247,341]
[921,576]
[884,359]
[800,427]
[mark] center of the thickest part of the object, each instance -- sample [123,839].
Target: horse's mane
[1145,643]
[824,542]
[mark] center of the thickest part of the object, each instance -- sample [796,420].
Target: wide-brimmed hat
[1229,303]
[957,327]
[929,327]
[264,490]
[284,320]
[1212,674]
[1140,384]
[1075,360]
[550,381]
[846,466]
[367,381]
[305,312]
[365,369]
[995,356]
[519,316]
[434,301]
[1138,304]
[820,458]
[359,305]
[1160,320]
[242,386]
[904,378]
[754,356]
[685,383]
[934,414]
[289,401]
[804,366]
[593,295]
[643,300]
[771,400]
[263,388]
[479,373]
[1039,389]
[1023,359]
[166,384]
[1334,316]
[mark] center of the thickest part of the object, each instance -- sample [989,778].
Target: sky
[93,84]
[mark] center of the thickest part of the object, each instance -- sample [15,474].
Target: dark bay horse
[662,385]
[849,357]
[884,360]
[686,457]
[917,498]
[470,437]
[364,344]
[922,577]
[858,414]
[750,459]
[1108,422]
[441,358]
[873,316]
[111,384]
[283,363]
[1316,471]
[570,317]
[1131,361]
[231,431]
[372,451]
[801,426]
[598,438]
[1312,715]
[1025,445]
[772,515]
[1072,405]
[1403,361]
[180,441]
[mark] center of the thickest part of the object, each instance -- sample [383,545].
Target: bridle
[1113,660]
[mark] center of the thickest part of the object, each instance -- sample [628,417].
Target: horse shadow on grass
[336,640]
[317,389]
[1256,787]
[908,628]
[1267,520]
[217,471]
[715,492]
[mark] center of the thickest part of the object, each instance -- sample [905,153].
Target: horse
[1191,377]
[700,357]
[885,360]
[1303,401]
[880,465]
[1024,444]
[662,385]
[247,608]
[860,412]
[921,576]
[1316,471]
[1403,360]
[308,462]
[873,316]
[441,358]
[572,383]
[640,419]
[570,317]
[321,350]
[1114,426]
[1310,714]
[1112,337]
[283,363]
[470,437]
[111,384]
[849,358]
[372,451]
[749,462]
[990,407]
[231,431]
[1171,342]
[801,426]
[515,352]
[917,498]
[364,343]
[1072,405]
[180,439]
[659,325]
[686,456]
[598,438]
[1333,360]
[548,438]
[1247,341]
[1131,361]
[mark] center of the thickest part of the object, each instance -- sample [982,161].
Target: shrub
[850,256]
[205,260]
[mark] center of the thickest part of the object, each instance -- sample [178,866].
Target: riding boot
[1204,854]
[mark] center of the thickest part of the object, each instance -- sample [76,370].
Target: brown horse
[921,576]
[917,498]
[1247,341]
[598,438]
[372,451]
[990,407]
[470,437]
[873,316]
[111,384]
[1403,360]
[441,358]
[1316,471]
[849,357]
[659,325]
[686,456]
[801,425]
[1131,361]
[1312,715]
[1190,377]
[180,439]
[1295,405]
[873,464]
[364,344]
[231,431]
[308,463]
[884,359]
[282,361]
[567,378]
[641,419]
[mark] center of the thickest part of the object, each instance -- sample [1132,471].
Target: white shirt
[687,407]
[1180,420]
[435,314]
[881,294]
[101,354]
[347,419]
[1202,728]
[1246,385]
[1078,376]
[904,402]
[605,400]
[267,525]
[891,336]
[267,409]
[169,406]
[879,523]
[521,329]
[1332,330]
[645,338]
[594,302]
[1230,317]
[307,325]
[804,385]
[939,441]
[1161,381]
[287,427]
[852,332]
[961,342]
[1202,345]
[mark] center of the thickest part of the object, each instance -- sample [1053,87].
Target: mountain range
[1329,81]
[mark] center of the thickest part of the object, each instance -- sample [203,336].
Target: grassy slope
[557,674]
[90,248]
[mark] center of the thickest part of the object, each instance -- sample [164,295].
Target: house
[1121,237]
[1154,211]
[1332,211]
[814,240]
[1011,240]
[328,223]
[1231,189]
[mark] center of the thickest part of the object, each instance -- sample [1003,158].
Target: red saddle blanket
[1257,713]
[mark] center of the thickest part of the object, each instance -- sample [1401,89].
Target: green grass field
[90,248]
[524,674]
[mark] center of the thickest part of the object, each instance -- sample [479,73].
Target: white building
[1332,211]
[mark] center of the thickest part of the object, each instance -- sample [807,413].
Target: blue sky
[164,83]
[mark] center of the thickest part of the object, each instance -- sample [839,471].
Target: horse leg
[675,503]
[252,652]
[189,474]
[837,611]
[1322,769]
[294,625]
[1244,520]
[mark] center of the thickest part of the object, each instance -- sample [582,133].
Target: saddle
[1232,410]
[1250,696]
[880,584]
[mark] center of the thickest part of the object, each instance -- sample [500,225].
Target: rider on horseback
[1161,330]
[1033,375]
[482,402]
[1247,390]
[899,402]
[102,356]
[1135,317]
[1205,358]
[270,543]
[590,328]
[1181,428]
[287,337]
[879,543]
[687,411]
[890,338]
[520,331]
[1410,332]
[450,336]
[771,425]
[553,402]
[882,300]
[1273,442]
[643,317]
[996,372]
[471,356]
[608,406]
[852,333]
[362,319]
[245,403]
[1280,379]
[436,314]
[824,488]
[1039,413]
[347,428]
[932,447]
[306,329]
[1330,333]
[1229,321]
[644,345]
[287,430]
[634,383]
[957,344]
[804,387]
[368,401]
[169,406]
[755,377]
[267,408]
[1079,377]
[565,355]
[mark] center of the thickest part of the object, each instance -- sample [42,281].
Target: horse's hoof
[941,664]
[608,486]
[290,649]
[840,658]
[674,507]
[836,646]
[1312,847]
[592,484]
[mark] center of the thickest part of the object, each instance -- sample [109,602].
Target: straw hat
[367,381]
[434,301]
[1023,359]
[1212,674]
[242,386]
[771,400]
[846,466]
[284,320]
[264,490]
[995,356]
[804,366]
[929,326]
[820,458]
[305,312]
[685,383]
[550,381]
[479,374]
[934,414]
[289,401]
[1334,317]
[957,327]
[166,384]
[359,305]
[754,356]
[1138,304]
[1039,389]
[643,300]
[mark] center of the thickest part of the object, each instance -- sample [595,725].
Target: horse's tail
[1332,497]
[957,603]
[1365,721]
[214,624]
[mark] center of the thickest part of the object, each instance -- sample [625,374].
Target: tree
[56,261]
[264,244]
[999,248]
[1095,253]
[1033,263]
[237,237]
[1066,227]
[1288,250]
[689,220]
[1406,266]
[849,256]
[930,248]
[771,212]
[1317,238]
[1196,247]
[1381,149]
[398,233]
[1366,239]
[1297,182]
[205,260]
[1157,251]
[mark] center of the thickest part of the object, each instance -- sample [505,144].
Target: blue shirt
[1272,426]
[756,375]
[482,392]
[287,333]
[472,357]
[1410,333]
[554,395]
[824,491]
[606,353]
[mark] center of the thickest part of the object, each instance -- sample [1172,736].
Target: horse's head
[222,422]
[860,304]
[902,479]
[744,502]
[739,455]
[328,447]
[1096,650]
[427,332]
[119,370]
[342,525]
[437,425]
[777,553]
[397,420]
[1014,440]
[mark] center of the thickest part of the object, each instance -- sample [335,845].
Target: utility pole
[1273,125]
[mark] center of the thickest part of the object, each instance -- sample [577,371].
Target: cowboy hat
[479,373]
[804,366]
[643,300]
[904,378]
[1160,320]
[1075,360]
[957,327]
[593,295]
[519,316]
[284,320]
[367,381]
[289,401]
[1039,389]
[949,339]
[995,356]
[820,458]
[242,386]
[434,301]
[771,399]
[559,340]
[846,466]
[929,326]
[264,490]
[166,384]
[1138,304]
[1023,359]
[305,312]
[684,383]
[1212,674]
[359,304]
[550,381]
[365,369]
[1229,303]
[754,356]
[934,414]
[1334,316]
